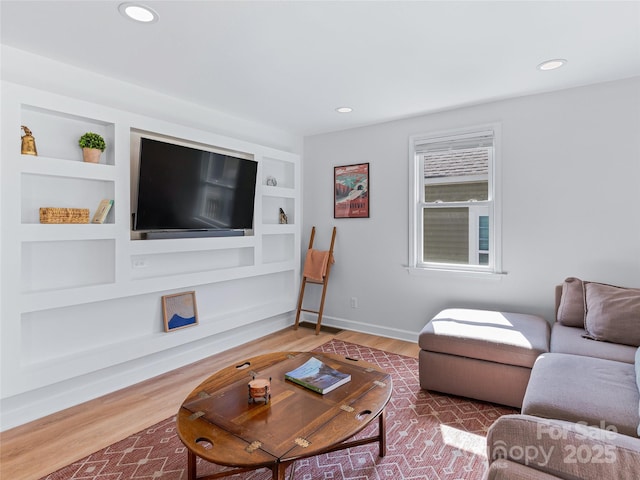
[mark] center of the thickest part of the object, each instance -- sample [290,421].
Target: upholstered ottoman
[481,354]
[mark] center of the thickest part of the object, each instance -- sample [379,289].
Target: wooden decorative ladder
[324,283]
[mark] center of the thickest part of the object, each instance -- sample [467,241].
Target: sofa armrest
[564,449]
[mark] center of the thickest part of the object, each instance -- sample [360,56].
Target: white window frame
[493,204]
[475,212]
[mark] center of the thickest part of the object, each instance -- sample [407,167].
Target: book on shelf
[102,211]
[317,376]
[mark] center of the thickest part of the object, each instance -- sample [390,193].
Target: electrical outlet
[354,302]
[139,263]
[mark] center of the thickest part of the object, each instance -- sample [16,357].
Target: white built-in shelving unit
[81,298]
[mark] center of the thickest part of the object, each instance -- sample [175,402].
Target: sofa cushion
[571,340]
[612,313]
[597,392]
[571,308]
[638,381]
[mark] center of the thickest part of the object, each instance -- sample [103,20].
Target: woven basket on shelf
[64,215]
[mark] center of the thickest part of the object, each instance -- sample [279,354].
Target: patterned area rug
[429,436]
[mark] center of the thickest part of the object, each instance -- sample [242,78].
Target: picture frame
[351,189]
[179,311]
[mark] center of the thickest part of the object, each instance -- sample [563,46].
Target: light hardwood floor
[36,449]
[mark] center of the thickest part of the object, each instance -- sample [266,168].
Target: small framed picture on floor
[179,311]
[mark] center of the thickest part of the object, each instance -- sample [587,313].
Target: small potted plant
[92,146]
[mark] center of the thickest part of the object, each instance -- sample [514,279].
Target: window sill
[440,272]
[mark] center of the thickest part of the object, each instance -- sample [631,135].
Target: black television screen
[184,188]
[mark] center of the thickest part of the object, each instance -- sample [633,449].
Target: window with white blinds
[455,221]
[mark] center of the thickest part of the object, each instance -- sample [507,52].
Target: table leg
[191,465]
[279,470]
[382,428]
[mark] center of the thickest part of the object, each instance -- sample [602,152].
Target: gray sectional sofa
[581,409]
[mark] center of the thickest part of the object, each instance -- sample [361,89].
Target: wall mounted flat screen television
[183,189]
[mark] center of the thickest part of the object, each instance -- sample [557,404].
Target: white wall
[571,192]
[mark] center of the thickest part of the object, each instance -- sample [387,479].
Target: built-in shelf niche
[271,210]
[57,133]
[278,248]
[58,265]
[162,265]
[61,192]
[283,172]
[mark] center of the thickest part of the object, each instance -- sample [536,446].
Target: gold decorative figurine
[28,142]
[283,217]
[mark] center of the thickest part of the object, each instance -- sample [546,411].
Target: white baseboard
[355,326]
[29,406]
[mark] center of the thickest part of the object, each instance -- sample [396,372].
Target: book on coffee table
[317,376]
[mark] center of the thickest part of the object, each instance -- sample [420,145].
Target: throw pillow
[612,313]
[571,308]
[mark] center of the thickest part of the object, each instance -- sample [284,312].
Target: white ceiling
[290,64]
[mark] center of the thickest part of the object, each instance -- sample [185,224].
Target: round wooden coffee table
[217,422]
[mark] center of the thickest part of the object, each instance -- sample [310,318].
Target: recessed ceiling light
[551,64]
[344,110]
[138,12]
